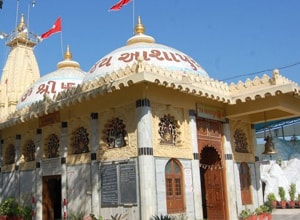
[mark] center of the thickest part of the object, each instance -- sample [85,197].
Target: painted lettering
[156,54]
[28,93]
[67,85]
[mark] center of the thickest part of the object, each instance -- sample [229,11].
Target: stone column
[230,173]
[146,164]
[256,177]
[64,152]
[17,167]
[195,167]
[37,191]
[1,165]
[94,165]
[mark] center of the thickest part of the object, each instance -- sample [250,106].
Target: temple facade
[144,132]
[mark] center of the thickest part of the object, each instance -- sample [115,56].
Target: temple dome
[142,46]
[67,75]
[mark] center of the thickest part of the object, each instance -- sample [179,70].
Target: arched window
[174,187]
[80,141]
[10,154]
[245,181]
[29,151]
[53,146]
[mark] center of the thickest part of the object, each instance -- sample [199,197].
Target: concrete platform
[286,214]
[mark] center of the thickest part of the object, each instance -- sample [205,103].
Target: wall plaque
[109,185]
[128,183]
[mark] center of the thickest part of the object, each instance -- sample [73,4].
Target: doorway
[212,185]
[52,202]
[209,135]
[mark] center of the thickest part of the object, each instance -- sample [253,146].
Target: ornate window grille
[10,154]
[53,146]
[81,141]
[29,151]
[115,133]
[168,130]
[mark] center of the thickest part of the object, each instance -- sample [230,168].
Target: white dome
[143,47]
[68,75]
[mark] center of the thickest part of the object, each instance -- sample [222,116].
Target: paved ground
[286,214]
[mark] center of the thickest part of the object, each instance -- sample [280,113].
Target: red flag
[55,28]
[119,5]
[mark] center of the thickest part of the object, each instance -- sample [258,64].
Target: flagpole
[61,44]
[133,15]
[17,12]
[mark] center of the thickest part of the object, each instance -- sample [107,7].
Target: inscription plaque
[128,183]
[109,185]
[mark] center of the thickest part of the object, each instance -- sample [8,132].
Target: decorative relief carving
[115,134]
[240,141]
[168,130]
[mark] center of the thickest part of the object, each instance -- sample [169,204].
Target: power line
[262,71]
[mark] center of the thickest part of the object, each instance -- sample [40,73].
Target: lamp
[269,145]
[2,34]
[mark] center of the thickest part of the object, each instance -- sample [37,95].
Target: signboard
[210,112]
[118,184]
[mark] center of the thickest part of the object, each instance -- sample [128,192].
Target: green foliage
[271,197]
[264,208]
[245,213]
[162,217]
[281,192]
[292,191]
[118,216]
[78,216]
[269,205]
[9,207]
[25,212]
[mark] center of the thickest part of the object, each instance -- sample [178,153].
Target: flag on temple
[55,28]
[119,5]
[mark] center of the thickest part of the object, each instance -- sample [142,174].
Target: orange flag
[119,5]
[55,28]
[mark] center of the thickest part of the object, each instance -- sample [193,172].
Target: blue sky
[231,39]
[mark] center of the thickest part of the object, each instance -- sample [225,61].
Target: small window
[245,181]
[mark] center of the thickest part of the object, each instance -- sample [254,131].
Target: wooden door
[48,210]
[209,134]
[215,203]
[174,187]
[51,197]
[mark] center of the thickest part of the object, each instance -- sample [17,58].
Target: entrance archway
[212,184]
[209,135]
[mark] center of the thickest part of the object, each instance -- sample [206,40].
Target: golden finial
[68,54]
[139,28]
[140,35]
[68,62]
[22,25]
